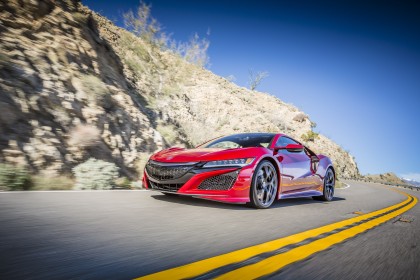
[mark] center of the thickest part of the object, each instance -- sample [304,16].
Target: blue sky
[353,66]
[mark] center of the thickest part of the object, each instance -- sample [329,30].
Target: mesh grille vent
[161,172]
[220,182]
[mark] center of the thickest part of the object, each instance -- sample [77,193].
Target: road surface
[129,234]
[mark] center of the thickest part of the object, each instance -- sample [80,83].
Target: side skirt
[300,194]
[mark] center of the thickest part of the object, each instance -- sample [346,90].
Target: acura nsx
[254,168]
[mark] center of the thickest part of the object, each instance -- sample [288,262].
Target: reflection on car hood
[205,154]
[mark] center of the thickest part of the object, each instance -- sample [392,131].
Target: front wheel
[329,184]
[264,185]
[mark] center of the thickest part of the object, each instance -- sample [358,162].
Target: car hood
[176,155]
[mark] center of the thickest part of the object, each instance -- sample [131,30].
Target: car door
[296,172]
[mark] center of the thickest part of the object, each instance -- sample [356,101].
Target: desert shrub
[255,78]
[222,122]
[141,163]
[134,66]
[133,47]
[14,178]
[231,78]
[300,117]
[97,91]
[169,133]
[95,174]
[84,136]
[142,24]
[195,50]
[93,85]
[80,18]
[52,183]
[123,183]
[310,136]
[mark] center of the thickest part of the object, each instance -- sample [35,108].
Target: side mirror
[293,148]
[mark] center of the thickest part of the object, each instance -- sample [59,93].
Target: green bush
[14,178]
[309,136]
[95,174]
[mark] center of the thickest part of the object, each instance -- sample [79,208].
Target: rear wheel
[329,184]
[264,185]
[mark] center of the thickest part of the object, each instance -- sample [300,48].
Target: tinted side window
[284,141]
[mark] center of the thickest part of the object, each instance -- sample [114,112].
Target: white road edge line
[346,187]
[343,188]
[95,191]
[75,191]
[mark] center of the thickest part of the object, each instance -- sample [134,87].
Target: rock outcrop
[73,86]
[63,94]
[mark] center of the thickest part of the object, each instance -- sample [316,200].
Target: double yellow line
[346,229]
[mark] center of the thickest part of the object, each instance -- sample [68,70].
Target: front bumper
[225,184]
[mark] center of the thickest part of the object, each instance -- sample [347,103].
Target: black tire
[264,185]
[329,185]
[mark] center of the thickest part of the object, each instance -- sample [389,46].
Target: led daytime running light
[230,162]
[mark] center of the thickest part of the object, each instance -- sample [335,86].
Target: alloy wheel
[266,184]
[329,184]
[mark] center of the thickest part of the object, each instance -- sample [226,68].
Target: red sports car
[255,168]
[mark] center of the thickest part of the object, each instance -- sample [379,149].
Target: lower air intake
[220,182]
[165,187]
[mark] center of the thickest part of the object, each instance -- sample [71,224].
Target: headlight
[229,162]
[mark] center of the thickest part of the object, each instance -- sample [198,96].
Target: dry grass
[339,184]
[141,163]
[52,183]
[169,132]
[123,183]
[93,85]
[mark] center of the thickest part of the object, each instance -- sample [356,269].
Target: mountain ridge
[385,178]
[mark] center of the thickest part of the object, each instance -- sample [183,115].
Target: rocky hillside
[386,178]
[74,86]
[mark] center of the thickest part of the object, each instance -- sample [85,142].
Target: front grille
[161,171]
[220,182]
[165,187]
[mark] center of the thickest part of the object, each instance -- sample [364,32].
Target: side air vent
[220,182]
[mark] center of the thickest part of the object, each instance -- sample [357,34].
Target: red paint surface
[296,177]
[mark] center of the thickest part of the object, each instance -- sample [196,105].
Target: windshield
[244,140]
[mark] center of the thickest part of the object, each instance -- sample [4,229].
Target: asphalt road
[127,234]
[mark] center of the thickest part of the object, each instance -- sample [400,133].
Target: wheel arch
[333,170]
[277,167]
